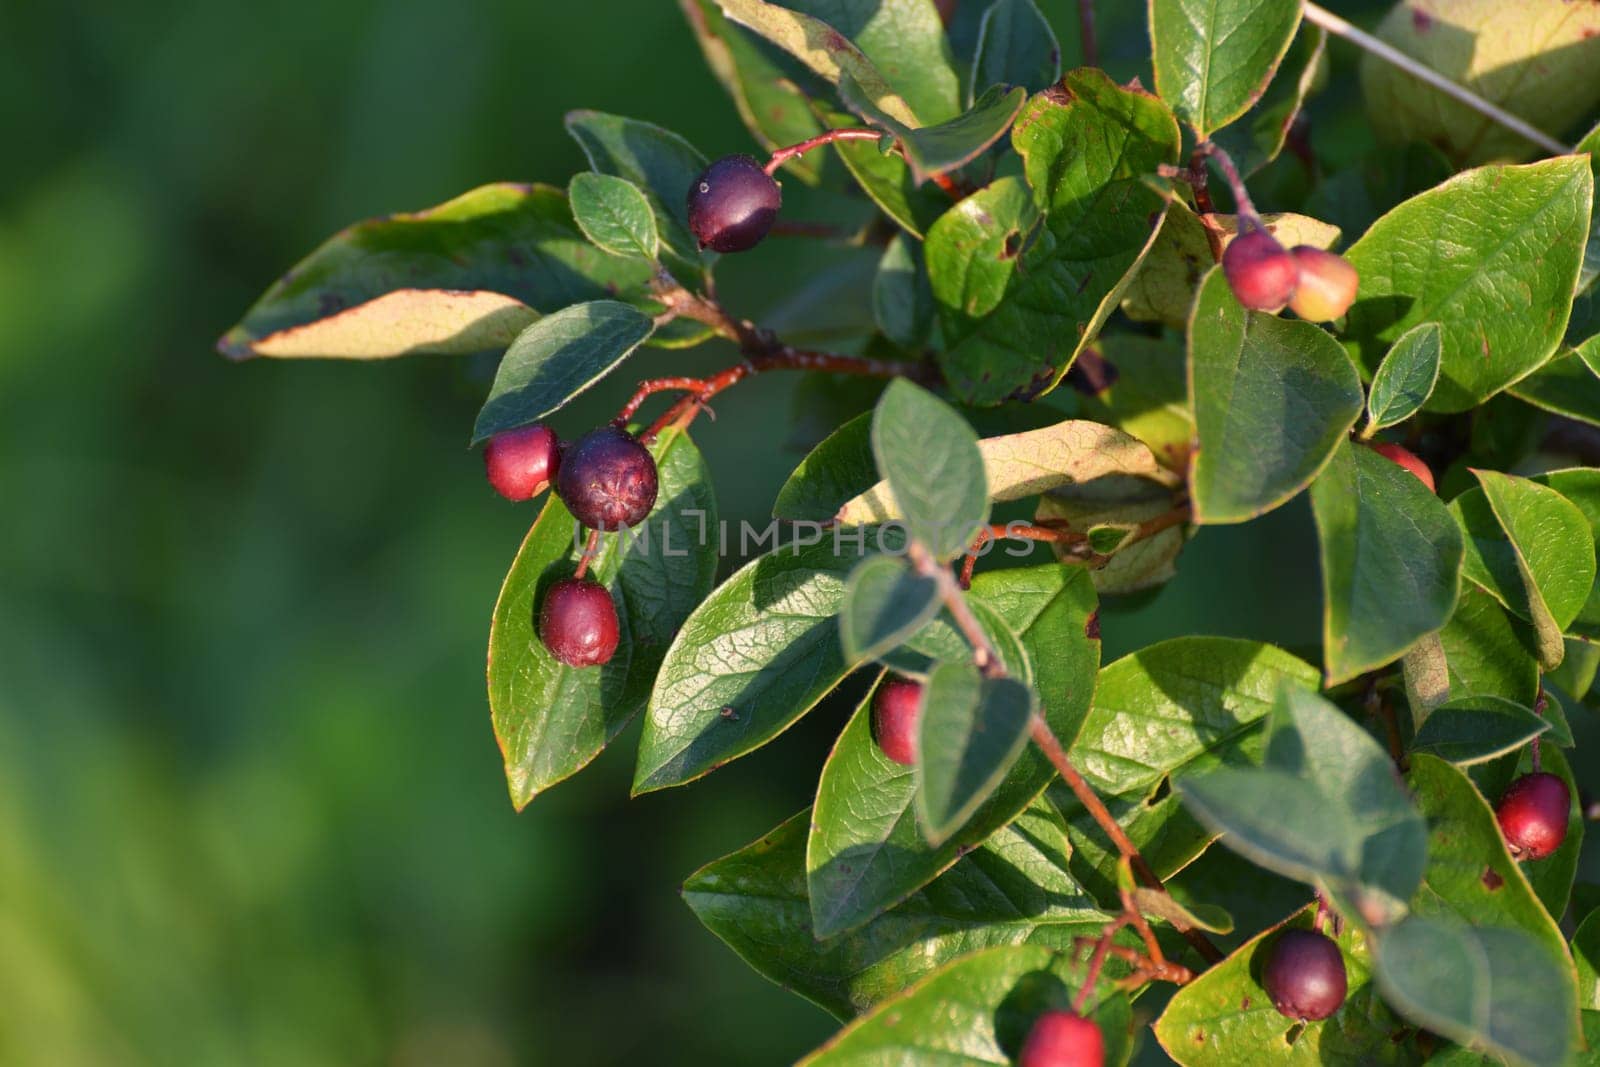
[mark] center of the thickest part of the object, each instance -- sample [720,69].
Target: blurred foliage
[250,804]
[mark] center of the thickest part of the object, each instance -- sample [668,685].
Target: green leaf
[1214,58]
[1491,255]
[902,303]
[1016,46]
[772,107]
[1530,547]
[1257,138]
[1535,59]
[978,1010]
[1484,986]
[887,180]
[1324,808]
[1147,396]
[614,214]
[1406,377]
[1568,385]
[1166,835]
[757,653]
[885,602]
[1013,889]
[1026,275]
[1391,560]
[659,162]
[1225,1016]
[1273,399]
[933,150]
[1161,707]
[551,719]
[1486,651]
[1475,729]
[557,358]
[837,470]
[972,729]
[1581,486]
[1586,950]
[1074,453]
[828,52]
[906,41]
[1470,876]
[453,279]
[865,852]
[930,458]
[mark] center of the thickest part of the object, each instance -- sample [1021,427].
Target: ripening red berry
[1407,459]
[1063,1039]
[520,463]
[733,204]
[1304,975]
[578,622]
[1328,284]
[607,479]
[1533,815]
[1261,273]
[895,711]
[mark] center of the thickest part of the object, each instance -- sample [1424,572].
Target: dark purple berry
[1260,271]
[520,463]
[578,622]
[607,479]
[733,204]
[895,711]
[1305,976]
[1063,1039]
[1533,815]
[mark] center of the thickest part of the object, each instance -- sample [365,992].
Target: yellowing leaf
[406,322]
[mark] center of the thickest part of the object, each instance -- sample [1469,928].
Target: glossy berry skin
[1261,273]
[1063,1039]
[607,479]
[578,622]
[1533,815]
[733,204]
[1305,976]
[1407,459]
[1328,284]
[520,463]
[895,711]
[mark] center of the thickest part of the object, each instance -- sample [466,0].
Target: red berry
[578,622]
[1063,1039]
[1407,459]
[895,711]
[1305,976]
[607,479]
[1260,272]
[520,463]
[733,204]
[1533,815]
[1328,284]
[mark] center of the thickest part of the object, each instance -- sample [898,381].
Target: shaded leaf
[885,601]
[1147,395]
[887,180]
[838,469]
[933,150]
[1016,46]
[1486,651]
[614,214]
[1474,729]
[1406,377]
[1214,58]
[1586,950]
[1257,137]
[929,456]
[971,730]
[902,303]
[1568,385]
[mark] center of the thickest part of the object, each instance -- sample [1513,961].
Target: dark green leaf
[885,602]
[1019,297]
[1480,985]
[1586,950]
[1487,652]
[1166,835]
[978,1010]
[1225,1017]
[887,180]
[1012,889]
[1491,255]
[1406,377]
[1159,708]
[1568,385]
[614,214]
[1016,46]
[551,719]
[933,150]
[838,470]
[662,164]
[758,653]
[1257,138]
[971,730]
[902,303]
[1214,58]
[1273,399]
[557,358]
[930,458]
[1148,396]
[456,278]
[865,853]
[1391,560]
[1474,729]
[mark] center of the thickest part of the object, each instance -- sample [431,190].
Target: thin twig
[1097,961]
[783,155]
[1086,34]
[1320,16]
[589,548]
[1241,196]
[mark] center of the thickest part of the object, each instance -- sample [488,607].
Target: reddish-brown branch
[1090,42]
[1097,961]
[589,548]
[783,155]
[1054,531]
[1230,173]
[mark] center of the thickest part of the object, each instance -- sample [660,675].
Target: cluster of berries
[1317,285]
[608,480]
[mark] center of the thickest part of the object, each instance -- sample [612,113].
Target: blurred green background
[251,809]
